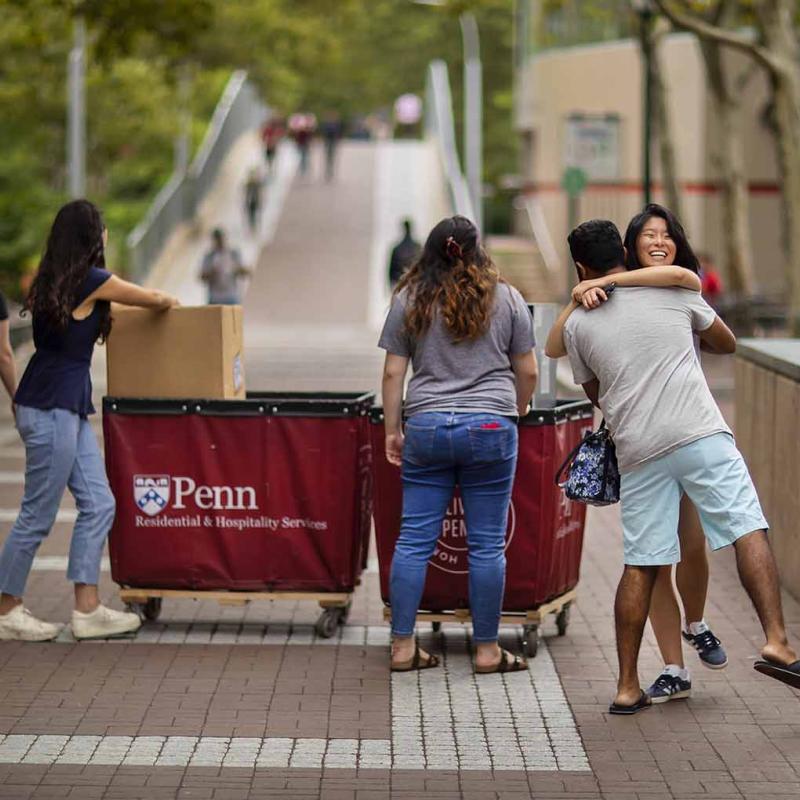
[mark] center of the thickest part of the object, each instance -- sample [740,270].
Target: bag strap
[571,457]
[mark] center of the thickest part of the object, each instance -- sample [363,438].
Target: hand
[394,448]
[169,301]
[593,298]
[584,286]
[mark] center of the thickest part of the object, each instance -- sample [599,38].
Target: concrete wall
[607,79]
[767,410]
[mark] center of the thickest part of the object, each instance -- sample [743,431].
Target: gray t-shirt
[639,346]
[220,270]
[470,376]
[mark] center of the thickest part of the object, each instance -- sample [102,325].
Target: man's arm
[554,347]
[718,338]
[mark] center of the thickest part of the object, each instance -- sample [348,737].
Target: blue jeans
[477,452]
[60,451]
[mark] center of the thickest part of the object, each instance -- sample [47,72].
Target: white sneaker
[103,623]
[20,625]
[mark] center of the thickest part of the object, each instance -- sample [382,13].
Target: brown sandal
[504,665]
[416,662]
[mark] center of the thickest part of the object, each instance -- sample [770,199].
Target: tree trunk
[666,143]
[776,19]
[787,108]
[731,162]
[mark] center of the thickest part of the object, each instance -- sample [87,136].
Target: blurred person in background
[403,254]
[253,188]
[271,135]
[713,288]
[222,271]
[468,336]
[70,302]
[331,130]
[301,129]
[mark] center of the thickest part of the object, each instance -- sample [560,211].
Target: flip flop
[642,703]
[786,673]
[504,665]
[416,662]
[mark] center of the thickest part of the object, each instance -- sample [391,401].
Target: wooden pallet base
[535,616]
[325,599]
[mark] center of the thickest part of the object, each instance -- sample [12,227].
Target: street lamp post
[473,114]
[473,108]
[645,11]
[76,113]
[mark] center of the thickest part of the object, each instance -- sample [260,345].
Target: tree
[649,40]
[777,50]
[726,91]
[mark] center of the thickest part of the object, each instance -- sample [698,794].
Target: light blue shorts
[712,472]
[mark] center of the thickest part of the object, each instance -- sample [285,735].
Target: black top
[57,375]
[3,308]
[403,254]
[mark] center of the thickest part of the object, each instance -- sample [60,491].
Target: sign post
[573,182]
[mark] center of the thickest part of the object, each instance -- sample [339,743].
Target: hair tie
[453,248]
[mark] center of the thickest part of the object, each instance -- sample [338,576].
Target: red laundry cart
[544,541]
[237,500]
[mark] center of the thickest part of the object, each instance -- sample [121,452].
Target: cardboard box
[184,352]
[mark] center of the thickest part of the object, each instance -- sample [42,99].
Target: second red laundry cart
[544,541]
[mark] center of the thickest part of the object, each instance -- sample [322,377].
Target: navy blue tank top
[57,375]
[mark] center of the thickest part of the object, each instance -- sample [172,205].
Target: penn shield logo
[151,493]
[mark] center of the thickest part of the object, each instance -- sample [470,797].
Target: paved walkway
[234,703]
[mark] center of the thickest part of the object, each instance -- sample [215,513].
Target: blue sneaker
[669,687]
[711,652]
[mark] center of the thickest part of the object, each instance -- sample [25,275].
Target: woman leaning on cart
[469,337]
[69,302]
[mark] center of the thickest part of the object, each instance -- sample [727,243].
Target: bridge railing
[440,127]
[239,110]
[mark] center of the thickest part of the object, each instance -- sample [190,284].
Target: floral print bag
[592,474]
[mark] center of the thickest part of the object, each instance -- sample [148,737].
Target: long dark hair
[454,277]
[684,255]
[75,244]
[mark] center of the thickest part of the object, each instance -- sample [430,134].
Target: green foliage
[352,56]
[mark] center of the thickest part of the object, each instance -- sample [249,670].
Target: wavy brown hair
[75,244]
[453,277]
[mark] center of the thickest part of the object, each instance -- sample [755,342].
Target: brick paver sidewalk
[236,703]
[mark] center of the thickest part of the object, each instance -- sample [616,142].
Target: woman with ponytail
[69,302]
[469,339]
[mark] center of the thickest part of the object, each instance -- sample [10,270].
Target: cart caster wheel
[328,623]
[562,620]
[437,626]
[151,610]
[531,640]
[344,613]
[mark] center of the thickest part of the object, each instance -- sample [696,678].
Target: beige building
[582,105]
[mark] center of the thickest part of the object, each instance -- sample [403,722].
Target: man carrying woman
[635,358]
[655,242]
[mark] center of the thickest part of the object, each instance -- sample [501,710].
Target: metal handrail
[440,127]
[238,110]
